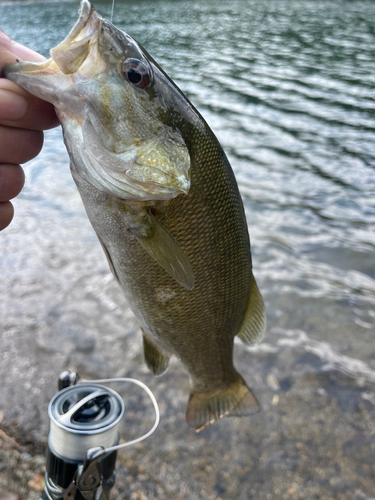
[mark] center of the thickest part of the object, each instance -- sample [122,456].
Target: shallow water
[288,87]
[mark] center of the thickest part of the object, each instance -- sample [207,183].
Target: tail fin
[206,408]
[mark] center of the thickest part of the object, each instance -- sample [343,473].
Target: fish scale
[217,303]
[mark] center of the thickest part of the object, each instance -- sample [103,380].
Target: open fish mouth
[71,53]
[100,81]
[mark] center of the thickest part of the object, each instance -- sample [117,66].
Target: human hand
[22,119]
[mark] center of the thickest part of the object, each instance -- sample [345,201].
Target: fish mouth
[87,15]
[85,12]
[72,52]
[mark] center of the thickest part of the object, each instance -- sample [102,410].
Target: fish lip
[85,9]
[71,53]
[85,12]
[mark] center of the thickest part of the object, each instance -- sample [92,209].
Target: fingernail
[12,106]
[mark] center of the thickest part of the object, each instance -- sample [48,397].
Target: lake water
[289,89]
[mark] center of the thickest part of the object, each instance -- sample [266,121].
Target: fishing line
[151,396]
[113,6]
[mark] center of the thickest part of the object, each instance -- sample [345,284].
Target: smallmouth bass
[163,200]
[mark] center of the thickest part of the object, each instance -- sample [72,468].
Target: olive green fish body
[209,225]
[163,200]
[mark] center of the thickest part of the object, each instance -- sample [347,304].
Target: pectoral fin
[254,324]
[160,244]
[109,259]
[157,361]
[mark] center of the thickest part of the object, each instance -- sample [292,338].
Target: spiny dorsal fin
[156,361]
[161,245]
[254,324]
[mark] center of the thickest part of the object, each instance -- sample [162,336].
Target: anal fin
[156,360]
[205,409]
[254,324]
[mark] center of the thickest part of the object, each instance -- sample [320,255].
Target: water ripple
[288,88]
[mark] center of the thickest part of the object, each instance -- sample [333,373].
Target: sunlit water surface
[288,87]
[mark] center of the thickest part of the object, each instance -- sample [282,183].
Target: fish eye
[136,72]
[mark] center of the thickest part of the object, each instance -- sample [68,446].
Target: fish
[163,200]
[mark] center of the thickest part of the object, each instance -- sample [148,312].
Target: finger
[11,51]
[19,145]
[12,179]
[6,214]
[16,104]
[20,109]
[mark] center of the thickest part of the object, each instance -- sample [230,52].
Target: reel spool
[83,438]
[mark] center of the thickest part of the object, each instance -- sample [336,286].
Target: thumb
[11,52]
[37,114]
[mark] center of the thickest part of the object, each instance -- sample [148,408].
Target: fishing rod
[83,438]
